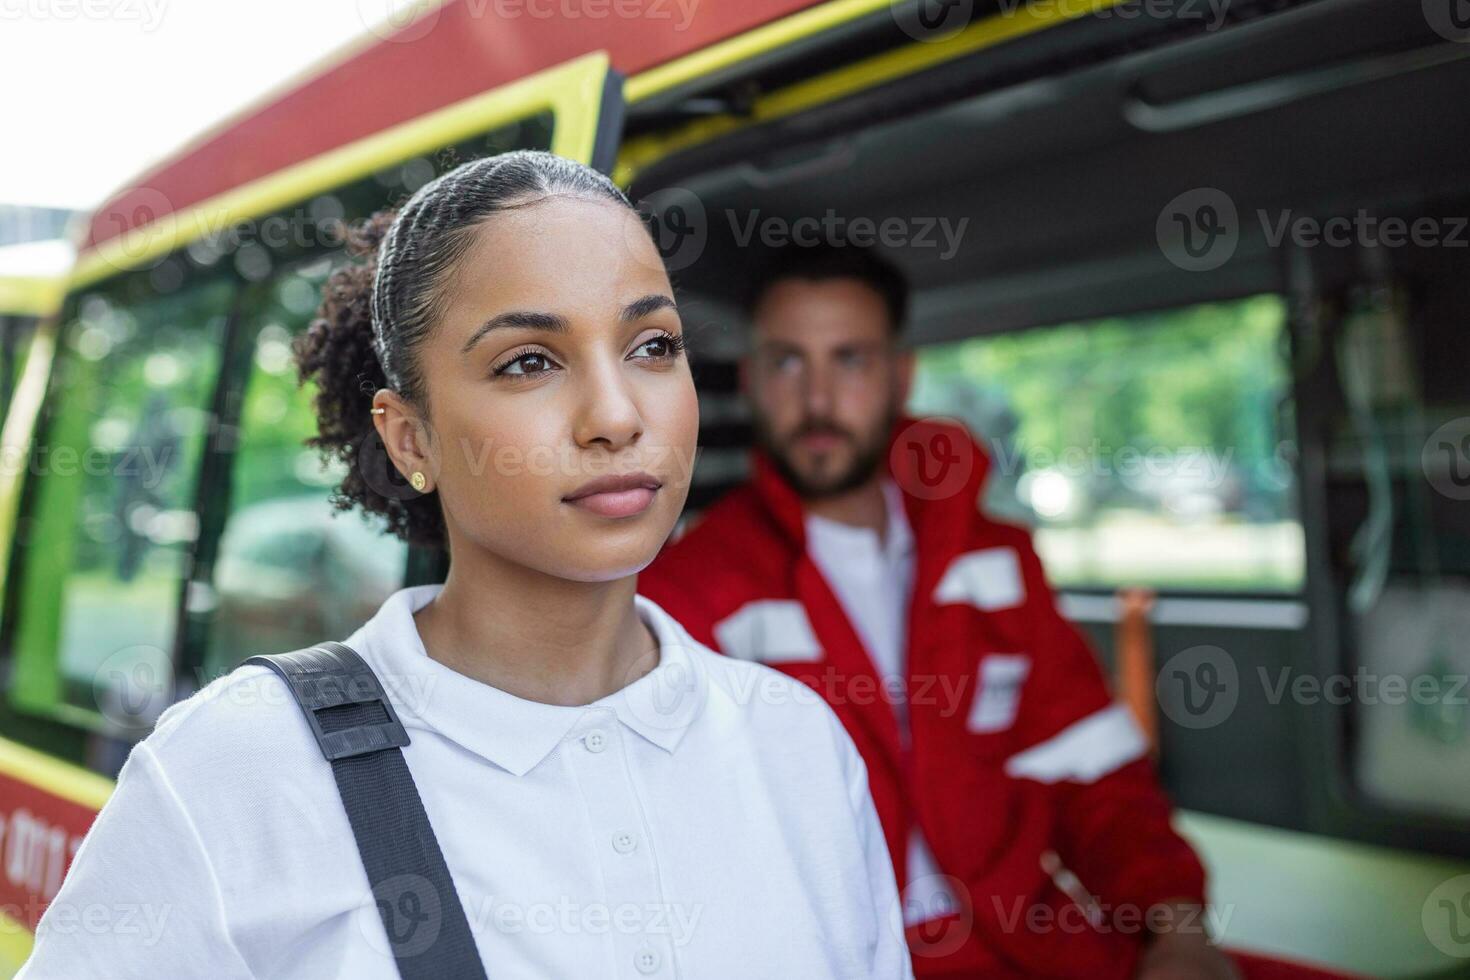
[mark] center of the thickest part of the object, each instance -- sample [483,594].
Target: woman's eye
[664,346]
[525,361]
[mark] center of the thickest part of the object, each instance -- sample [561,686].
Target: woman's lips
[617,503]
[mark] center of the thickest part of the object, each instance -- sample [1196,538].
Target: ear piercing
[417,480]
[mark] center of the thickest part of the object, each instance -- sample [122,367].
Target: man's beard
[866,460]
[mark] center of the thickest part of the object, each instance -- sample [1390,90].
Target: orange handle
[1134,666]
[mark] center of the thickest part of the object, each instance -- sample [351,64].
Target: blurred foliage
[1152,448]
[1203,376]
[277,417]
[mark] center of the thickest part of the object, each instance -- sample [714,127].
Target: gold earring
[418,481]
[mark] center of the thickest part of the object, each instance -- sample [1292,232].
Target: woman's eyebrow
[517,318]
[640,308]
[555,323]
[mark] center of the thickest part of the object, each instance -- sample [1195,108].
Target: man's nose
[817,389]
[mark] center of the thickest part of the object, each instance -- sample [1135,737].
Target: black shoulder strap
[360,735]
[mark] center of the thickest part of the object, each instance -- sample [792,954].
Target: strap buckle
[329,676]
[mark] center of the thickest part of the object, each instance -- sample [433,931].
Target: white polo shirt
[712,819]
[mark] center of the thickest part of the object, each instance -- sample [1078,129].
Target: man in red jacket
[1026,825]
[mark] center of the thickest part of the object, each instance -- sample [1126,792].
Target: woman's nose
[607,411]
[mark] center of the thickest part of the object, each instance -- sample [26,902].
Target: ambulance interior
[1305,396]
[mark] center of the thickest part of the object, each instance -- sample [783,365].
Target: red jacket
[1018,755]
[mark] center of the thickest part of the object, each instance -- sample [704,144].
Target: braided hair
[377,311]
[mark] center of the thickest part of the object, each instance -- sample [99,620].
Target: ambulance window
[115,466]
[289,570]
[1149,449]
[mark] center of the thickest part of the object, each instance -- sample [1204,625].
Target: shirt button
[624,842]
[646,961]
[595,740]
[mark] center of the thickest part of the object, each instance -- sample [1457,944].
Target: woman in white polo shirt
[610,797]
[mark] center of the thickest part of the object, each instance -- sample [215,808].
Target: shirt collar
[898,537]
[511,732]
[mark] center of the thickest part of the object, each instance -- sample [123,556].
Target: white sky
[97,90]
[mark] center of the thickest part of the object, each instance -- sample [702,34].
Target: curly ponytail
[376,312]
[337,352]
